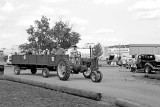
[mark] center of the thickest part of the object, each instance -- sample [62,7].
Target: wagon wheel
[63,69]
[33,70]
[100,76]
[17,70]
[45,72]
[94,76]
[87,74]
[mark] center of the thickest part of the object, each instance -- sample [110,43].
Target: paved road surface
[116,83]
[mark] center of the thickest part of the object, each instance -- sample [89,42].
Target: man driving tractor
[74,54]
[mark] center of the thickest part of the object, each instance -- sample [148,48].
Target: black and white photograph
[79,53]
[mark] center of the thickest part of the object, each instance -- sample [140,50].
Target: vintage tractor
[88,66]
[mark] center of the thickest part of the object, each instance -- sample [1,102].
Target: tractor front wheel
[100,76]
[63,69]
[94,76]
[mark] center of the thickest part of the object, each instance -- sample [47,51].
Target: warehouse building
[144,49]
[122,50]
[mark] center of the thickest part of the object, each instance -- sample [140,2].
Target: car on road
[149,63]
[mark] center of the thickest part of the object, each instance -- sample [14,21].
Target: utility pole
[119,50]
[90,47]
[90,51]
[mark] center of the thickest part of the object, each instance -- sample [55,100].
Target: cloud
[152,14]
[146,5]
[36,14]
[78,21]
[27,20]
[7,7]
[44,10]
[100,36]
[3,18]
[23,6]
[104,39]
[107,2]
[63,11]
[81,29]
[104,31]
[53,1]
[113,39]
[52,12]
[8,39]
[146,9]
[10,7]
[5,36]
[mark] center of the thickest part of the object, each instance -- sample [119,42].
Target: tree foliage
[41,36]
[64,36]
[97,50]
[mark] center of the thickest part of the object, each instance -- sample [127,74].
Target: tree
[41,36]
[97,50]
[24,47]
[64,35]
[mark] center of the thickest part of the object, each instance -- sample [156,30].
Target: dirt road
[115,83]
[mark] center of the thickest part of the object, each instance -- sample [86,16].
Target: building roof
[144,45]
[134,45]
[119,46]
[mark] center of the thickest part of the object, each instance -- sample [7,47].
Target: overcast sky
[109,22]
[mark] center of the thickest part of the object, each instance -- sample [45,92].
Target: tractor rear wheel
[63,69]
[17,70]
[45,72]
[87,74]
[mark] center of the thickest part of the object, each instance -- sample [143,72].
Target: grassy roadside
[14,94]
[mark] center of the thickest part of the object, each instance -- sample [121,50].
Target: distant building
[105,51]
[144,49]
[14,49]
[85,52]
[122,50]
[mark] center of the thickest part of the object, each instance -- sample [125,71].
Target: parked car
[129,60]
[110,59]
[149,63]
